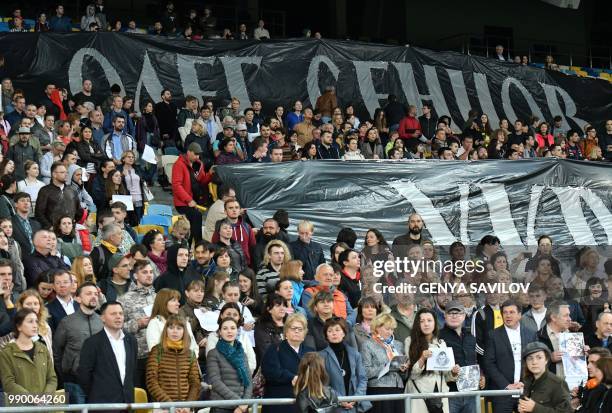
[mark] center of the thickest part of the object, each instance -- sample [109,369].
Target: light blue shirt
[117,149]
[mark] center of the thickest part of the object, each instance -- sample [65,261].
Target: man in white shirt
[502,357]
[261,33]
[557,321]
[63,304]
[499,52]
[108,360]
[535,317]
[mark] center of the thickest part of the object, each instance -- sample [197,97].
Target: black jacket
[428,126]
[88,152]
[498,359]
[464,348]
[310,254]
[549,391]
[543,337]
[174,278]
[53,202]
[98,372]
[100,256]
[37,263]
[20,235]
[316,338]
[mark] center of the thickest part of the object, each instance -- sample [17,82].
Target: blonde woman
[32,300]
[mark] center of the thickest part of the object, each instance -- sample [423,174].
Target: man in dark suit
[108,360]
[63,304]
[502,358]
[41,259]
[24,227]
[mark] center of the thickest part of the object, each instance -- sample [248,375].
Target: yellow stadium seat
[143,229]
[605,75]
[140,396]
[212,188]
[582,73]
[576,68]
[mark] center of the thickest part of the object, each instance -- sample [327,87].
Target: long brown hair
[79,272]
[175,320]
[418,341]
[290,270]
[109,186]
[160,305]
[311,376]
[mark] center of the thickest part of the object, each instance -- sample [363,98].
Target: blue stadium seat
[161,220]
[171,150]
[158,209]
[4,27]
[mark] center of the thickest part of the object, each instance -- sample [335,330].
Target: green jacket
[549,392]
[22,375]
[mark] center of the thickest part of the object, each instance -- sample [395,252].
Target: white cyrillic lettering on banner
[149,81]
[366,86]
[423,206]
[507,102]
[534,202]
[501,214]
[555,109]
[484,96]
[571,208]
[189,76]
[463,102]
[312,81]
[464,207]
[235,76]
[75,73]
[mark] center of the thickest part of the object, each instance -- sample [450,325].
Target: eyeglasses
[296,329]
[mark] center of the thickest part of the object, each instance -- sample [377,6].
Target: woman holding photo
[423,339]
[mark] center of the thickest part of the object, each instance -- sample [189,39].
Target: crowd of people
[191,24]
[218,309]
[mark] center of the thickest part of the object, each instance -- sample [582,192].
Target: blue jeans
[462,405]
[76,395]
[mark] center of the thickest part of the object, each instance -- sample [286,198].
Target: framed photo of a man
[442,359]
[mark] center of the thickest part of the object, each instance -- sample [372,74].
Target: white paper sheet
[148,309]
[126,199]
[148,155]
[442,359]
[207,319]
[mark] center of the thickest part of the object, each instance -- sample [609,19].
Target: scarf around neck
[235,355]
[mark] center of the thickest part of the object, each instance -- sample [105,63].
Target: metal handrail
[255,403]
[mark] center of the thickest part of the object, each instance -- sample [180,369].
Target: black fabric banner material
[515,200]
[279,72]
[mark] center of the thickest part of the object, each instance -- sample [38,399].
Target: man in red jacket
[410,128]
[189,182]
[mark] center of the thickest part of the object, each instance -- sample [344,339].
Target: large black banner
[515,200]
[278,72]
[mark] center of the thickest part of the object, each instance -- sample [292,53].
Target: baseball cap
[241,126]
[454,305]
[195,148]
[114,260]
[228,127]
[24,129]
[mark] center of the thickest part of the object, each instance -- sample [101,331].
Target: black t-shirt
[513,138]
[81,98]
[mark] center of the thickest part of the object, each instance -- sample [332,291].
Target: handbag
[433,405]
[259,383]
[330,406]
[147,192]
